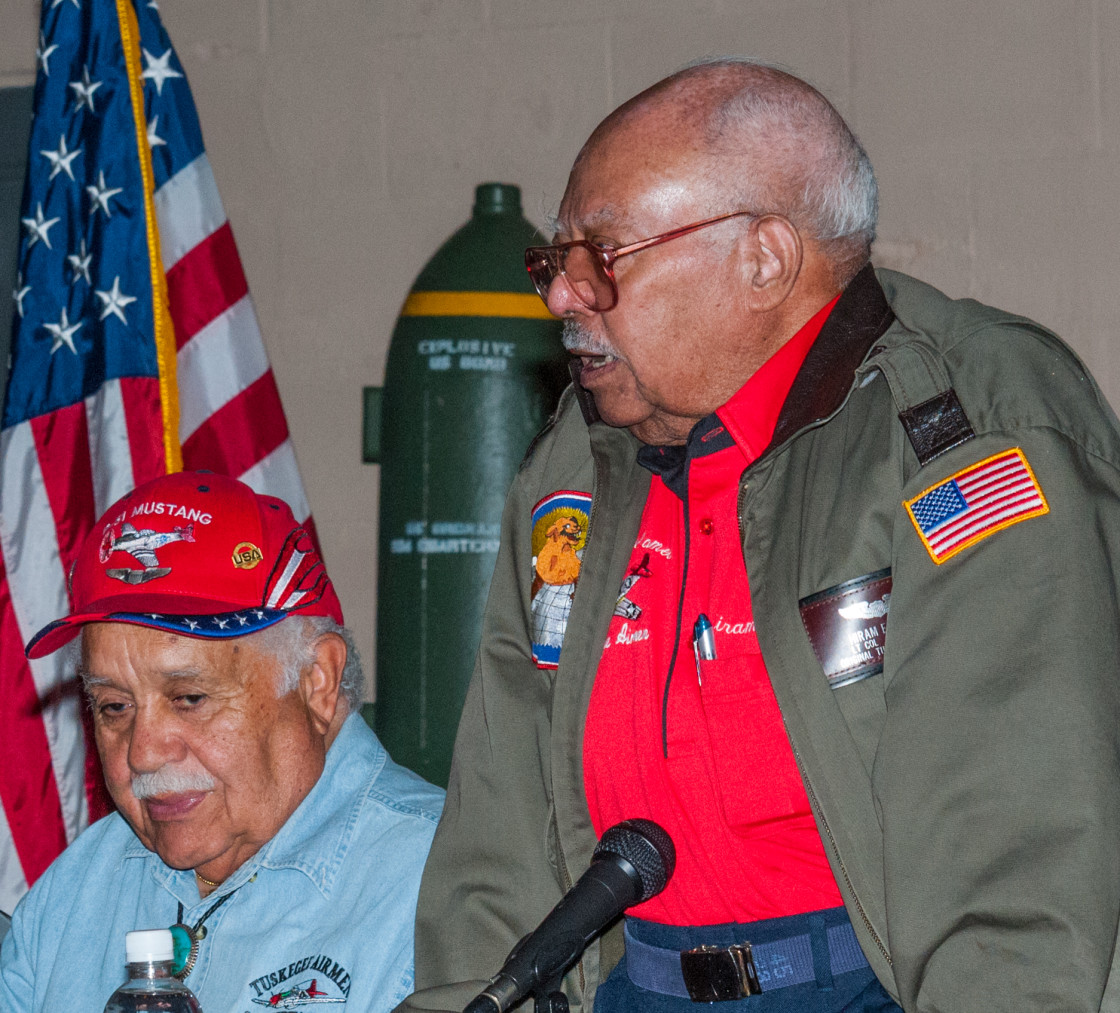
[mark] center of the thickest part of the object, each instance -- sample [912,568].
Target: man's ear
[772,263]
[320,683]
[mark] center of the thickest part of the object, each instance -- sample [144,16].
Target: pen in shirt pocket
[703,642]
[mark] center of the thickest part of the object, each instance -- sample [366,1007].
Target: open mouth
[596,361]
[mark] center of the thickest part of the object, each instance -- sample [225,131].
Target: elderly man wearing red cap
[257,814]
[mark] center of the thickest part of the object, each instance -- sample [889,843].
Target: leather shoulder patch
[936,425]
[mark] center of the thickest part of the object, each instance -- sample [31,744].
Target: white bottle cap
[148,945]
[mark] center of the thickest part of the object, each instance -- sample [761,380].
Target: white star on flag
[60,159]
[83,91]
[38,227]
[74,2]
[114,301]
[79,262]
[43,54]
[63,333]
[154,140]
[100,195]
[19,293]
[159,69]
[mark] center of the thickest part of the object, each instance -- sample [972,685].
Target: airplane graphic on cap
[141,545]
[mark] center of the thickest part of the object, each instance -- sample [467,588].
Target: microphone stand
[550,998]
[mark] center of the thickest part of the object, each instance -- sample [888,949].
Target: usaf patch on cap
[976,502]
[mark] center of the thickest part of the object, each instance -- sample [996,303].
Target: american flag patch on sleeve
[979,501]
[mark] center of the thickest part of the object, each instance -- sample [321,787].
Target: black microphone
[631,863]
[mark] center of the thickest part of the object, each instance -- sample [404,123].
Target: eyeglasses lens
[581,268]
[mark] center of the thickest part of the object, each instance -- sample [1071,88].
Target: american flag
[976,502]
[135,352]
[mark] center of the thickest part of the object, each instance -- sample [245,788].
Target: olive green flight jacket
[968,796]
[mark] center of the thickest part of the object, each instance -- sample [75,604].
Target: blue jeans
[849,991]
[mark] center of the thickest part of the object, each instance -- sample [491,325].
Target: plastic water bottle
[150,986]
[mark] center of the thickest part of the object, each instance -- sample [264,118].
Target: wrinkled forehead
[113,652]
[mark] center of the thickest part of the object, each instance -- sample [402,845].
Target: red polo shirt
[705,754]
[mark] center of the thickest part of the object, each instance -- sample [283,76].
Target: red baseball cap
[196,554]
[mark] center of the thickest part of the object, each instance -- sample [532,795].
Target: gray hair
[797,156]
[292,643]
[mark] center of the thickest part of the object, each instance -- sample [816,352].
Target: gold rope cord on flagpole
[161,316]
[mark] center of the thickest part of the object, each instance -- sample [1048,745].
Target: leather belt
[719,973]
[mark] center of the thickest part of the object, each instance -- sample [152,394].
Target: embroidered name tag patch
[559,535]
[977,502]
[847,626]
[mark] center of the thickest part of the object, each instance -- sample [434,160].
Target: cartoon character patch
[141,545]
[976,502]
[559,534]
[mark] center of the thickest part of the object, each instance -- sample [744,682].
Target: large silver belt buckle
[720,973]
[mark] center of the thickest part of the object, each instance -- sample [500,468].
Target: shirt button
[706,525]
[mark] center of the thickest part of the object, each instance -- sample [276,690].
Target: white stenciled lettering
[466,346]
[444,529]
[483,363]
[448,546]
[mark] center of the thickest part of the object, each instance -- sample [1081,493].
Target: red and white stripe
[230,416]
[996,492]
[59,472]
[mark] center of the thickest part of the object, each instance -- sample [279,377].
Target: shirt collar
[752,412]
[317,836]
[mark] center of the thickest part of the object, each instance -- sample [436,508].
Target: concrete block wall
[347,137]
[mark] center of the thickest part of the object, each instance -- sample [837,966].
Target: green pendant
[185,944]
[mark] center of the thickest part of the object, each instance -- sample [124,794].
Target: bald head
[746,204]
[762,139]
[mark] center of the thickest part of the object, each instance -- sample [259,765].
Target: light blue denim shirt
[328,916]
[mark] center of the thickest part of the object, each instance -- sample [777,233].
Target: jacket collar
[860,318]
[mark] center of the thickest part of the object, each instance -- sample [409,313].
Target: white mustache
[168,781]
[576,337]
